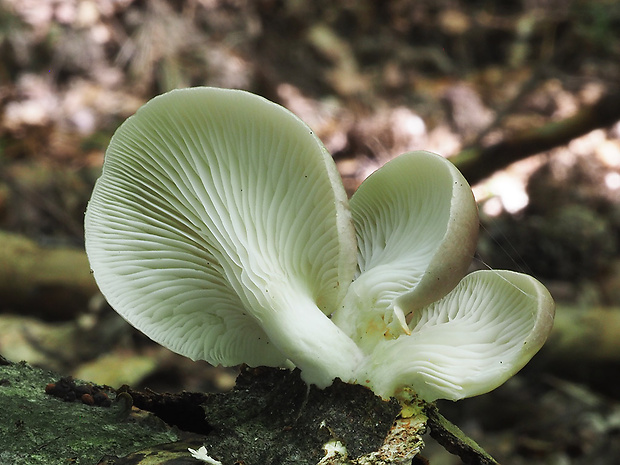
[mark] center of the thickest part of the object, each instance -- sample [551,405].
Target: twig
[454,440]
[477,163]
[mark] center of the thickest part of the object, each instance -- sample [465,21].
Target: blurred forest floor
[373,79]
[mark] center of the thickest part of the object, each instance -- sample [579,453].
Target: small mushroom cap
[469,342]
[417,224]
[216,212]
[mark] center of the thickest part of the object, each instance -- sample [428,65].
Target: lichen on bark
[39,429]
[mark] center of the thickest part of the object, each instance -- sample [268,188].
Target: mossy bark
[271,418]
[39,429]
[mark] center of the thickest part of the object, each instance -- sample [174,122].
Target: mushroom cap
[216,212]
[468,343]
[417,223]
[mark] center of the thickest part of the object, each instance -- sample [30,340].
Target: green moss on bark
[39,429]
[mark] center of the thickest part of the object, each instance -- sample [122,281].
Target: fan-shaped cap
[220,229]
[416,222]
[469,342]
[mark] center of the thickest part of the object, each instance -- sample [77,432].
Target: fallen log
[51,283]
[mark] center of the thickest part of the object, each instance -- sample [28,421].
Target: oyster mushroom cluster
[220,228]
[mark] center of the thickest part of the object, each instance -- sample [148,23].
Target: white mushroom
[220,228]
[469,342]
[417,224]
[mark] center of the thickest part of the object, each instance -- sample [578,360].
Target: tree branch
[477,163]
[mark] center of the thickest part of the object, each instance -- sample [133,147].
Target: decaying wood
[455,441]
[271,417]
[37,428]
